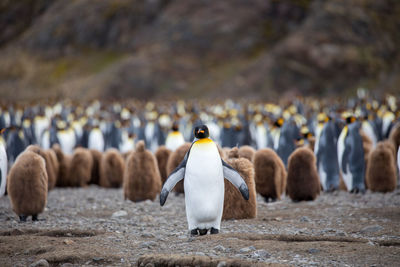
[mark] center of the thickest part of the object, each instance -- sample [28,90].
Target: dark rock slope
[156,48]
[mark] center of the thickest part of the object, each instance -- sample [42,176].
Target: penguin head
[175,127]
[201,132]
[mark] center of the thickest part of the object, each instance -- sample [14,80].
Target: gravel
[95,226]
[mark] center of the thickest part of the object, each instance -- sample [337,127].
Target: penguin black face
[201,132]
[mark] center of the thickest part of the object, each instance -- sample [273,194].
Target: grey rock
[148,244]
[147,235]
[261,254]
[67,265]
[200,254]
[313,250]
[371,229]
[221,264]
[305,219]
[97,259]
[40,263]
[247,249]
[219,248]
[120,213]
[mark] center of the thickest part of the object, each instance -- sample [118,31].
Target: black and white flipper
[177,175]
[234,177]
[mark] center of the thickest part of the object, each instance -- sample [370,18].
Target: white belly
[3,169]
[322,176]
[204,187]
[96,140]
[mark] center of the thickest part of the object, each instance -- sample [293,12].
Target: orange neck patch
[204,141]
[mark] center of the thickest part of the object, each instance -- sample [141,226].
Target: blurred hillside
[192,48]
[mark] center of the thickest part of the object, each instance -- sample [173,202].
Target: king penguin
[327,159]
[175,138]
[204,172]
[351,157]
[3,165]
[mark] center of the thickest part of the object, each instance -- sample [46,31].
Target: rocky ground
[95,226]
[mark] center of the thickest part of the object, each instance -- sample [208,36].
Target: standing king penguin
[351,157]
[204,172]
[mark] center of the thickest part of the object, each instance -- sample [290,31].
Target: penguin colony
[85,144]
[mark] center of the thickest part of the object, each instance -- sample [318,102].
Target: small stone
[221,264]
[305,219]
[40,263]
[120,213]
[313,250]
[278,219]
[147,235]
[247,249]
[219,248]
[148,244]
[261,254]
[67,265]
[97,259]
[200,254]
[371,229]
[68,241]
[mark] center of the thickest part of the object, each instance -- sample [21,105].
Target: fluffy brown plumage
[174,160]
[235,207]
[381,174]
[27,185]
[81,167]
[141,177]
[49,162]
[64,162]
[162,154]
[96,156]
[302,177]
[270,174]
[112,167]
[55,166]
[247,152]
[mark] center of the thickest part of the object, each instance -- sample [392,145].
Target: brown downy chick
[302,177]
[381,174]
[162,154]
[81,167]
[235,207]
[27,185]
[141,178]
[270,174]
[112,166]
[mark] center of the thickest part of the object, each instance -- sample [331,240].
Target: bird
[204,172]
[326,153]
[351,156]
[175,138]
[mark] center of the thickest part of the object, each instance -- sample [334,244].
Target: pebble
[221,264]
[371,229]
[261,254]
[313,250]
[40,263]
[219,248]
[305,219]
[247,249]
[148,244]
[120,213]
